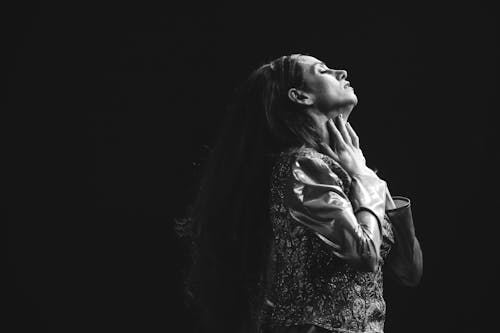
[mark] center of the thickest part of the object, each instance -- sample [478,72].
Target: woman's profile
[290,230]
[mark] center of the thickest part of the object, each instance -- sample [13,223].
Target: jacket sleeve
[319,203]
[405,261]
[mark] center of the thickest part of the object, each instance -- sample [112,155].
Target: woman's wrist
[369,191]
[364,172]
[369,179]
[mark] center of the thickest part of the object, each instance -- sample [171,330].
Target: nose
[341,74]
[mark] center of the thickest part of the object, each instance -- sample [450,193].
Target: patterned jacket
[310,280]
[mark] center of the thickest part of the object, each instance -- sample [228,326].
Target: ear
[299,96]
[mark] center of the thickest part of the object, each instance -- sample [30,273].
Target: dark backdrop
[110,106]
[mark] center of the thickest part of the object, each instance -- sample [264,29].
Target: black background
[110,105]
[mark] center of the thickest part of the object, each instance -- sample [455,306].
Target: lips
[347,85]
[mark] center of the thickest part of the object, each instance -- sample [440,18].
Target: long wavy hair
[228,229]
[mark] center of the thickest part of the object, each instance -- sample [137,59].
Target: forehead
[308,61]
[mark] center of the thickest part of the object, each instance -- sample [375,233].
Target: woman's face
[327,88]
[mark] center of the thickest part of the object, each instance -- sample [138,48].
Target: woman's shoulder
[294,157]
[304,155]
[285,159]
[295,153]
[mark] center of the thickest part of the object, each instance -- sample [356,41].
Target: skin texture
[325,95]
[328,98]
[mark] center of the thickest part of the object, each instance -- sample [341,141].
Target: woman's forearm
[372,239]
[368,196]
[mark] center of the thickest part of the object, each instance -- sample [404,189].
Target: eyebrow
[321,63]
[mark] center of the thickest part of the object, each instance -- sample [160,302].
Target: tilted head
[322,88]
[274,109]
[284,89]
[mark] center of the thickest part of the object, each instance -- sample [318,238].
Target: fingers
[335,137]
[325,149]
[353,135]
[343,130]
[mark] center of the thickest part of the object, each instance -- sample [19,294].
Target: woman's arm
[405,262]
[350,228]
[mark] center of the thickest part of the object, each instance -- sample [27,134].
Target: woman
[291,231]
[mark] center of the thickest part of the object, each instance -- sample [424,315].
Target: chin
[354,99]
[351,102]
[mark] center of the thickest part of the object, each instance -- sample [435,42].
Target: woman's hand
[344,147]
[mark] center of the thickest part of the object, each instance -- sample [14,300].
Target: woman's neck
[321,119]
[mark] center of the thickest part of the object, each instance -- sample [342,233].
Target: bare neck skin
[321,118]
